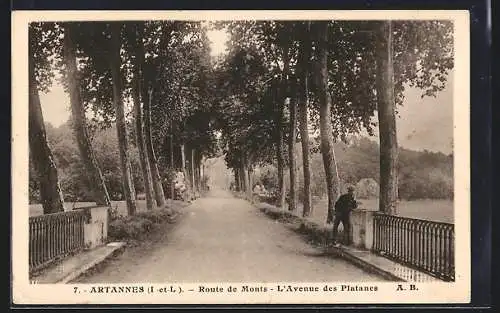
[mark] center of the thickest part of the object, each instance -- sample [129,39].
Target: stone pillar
[96,226]
[362,228]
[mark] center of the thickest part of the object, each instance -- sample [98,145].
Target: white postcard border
[26,293]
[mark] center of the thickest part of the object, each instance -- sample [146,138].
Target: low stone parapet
[96,226]
[362,228]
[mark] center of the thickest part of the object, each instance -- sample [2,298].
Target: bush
[426,186]
[124,228]
[155,216]
[181,184]
[136,226]
[268,177]
[367,188]
[271,198]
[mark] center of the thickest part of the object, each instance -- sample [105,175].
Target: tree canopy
[236,104]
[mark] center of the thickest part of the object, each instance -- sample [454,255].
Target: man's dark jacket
[343,206]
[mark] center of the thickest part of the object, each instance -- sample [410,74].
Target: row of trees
[161,68]
[280,81]
[328,76]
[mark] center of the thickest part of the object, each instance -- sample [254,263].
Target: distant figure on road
[343,207]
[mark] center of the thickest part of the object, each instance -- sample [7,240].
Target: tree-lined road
[277,84]
[222,238]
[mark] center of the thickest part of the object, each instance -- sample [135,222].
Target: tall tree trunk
[190,173]
[237,179]
[244,165]
[282,95]
[279,149]
[43,161]
[193,178]
[121,128]
[172,165]
[94,175]
[305,53]
[139,126]
[242,179]
[196,171]
[387,121]
[183,159]
[326,129]
[184,168]
[201,170]
[250,181]
[244,174]
[306,162]
[291,154]
[153,161]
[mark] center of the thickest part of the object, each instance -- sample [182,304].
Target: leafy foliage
[71,170]
[178,70]
[45,41]
[252,75]
[195,99]
[423,57]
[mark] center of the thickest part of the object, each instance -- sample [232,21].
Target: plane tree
[178,81]
[370,64]
[42,39]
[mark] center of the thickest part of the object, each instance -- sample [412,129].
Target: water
[434,210]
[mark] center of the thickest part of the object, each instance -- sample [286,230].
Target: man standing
[343,207]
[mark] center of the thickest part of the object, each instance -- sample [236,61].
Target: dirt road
[222,238]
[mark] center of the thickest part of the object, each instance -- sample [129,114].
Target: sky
[422,123]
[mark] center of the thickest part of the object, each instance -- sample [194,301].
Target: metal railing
[421,244]
[55,235]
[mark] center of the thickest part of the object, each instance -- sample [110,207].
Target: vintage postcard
[240,157]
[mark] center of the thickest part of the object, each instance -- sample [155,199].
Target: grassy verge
[254,199]
[315,234]
[137,228]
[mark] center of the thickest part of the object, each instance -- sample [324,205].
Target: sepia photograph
[225,157]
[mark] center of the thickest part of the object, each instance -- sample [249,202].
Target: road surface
[225,239]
